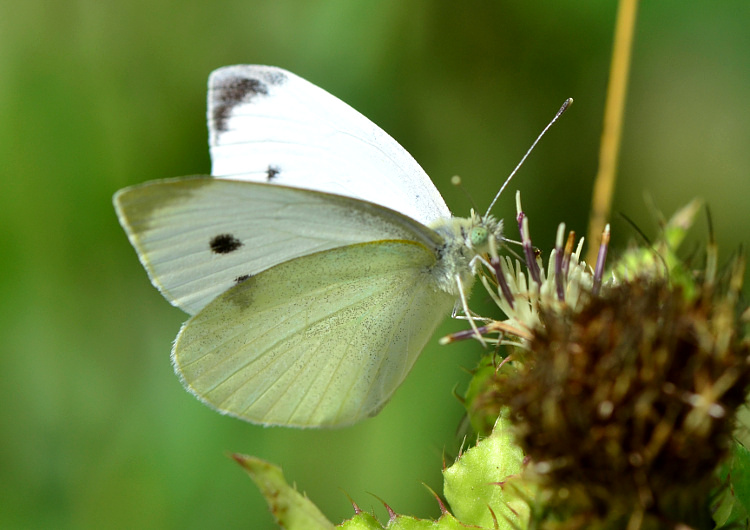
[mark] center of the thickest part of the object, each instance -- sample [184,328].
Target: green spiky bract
[481,487]
[290,508]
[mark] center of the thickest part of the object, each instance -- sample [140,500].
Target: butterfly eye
[478,236]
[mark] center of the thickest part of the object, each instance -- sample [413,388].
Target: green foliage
[733,505]
[660,259]
[481,485]
[290,509]
[366,521]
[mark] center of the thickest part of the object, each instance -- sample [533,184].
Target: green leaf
[361,521]
[290,508]
[734,502]
[366,521]
[482,486]
[680,223]
[661,257]
[481,405]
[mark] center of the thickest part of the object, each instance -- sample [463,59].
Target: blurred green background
[97,431]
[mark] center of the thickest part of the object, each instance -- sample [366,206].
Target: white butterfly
[316,264]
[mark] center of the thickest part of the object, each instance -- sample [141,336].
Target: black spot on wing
[224,244]
[272,172]
[230,93]
[240,279]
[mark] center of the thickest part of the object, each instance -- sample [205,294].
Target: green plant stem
[609,149]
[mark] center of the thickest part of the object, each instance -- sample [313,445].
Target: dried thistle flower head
[633,398]
[623,391]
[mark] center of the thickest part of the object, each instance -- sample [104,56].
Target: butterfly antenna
[568,103]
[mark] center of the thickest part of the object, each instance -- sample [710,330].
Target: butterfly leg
[467,312]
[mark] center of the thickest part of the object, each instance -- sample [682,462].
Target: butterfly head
[482,235]
[468,241]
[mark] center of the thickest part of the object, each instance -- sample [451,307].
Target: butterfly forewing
[269,125]
[198,237]
[322,340]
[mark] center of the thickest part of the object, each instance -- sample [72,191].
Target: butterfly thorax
[465,239]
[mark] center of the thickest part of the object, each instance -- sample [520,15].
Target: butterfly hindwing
[321,340]
[269,125]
